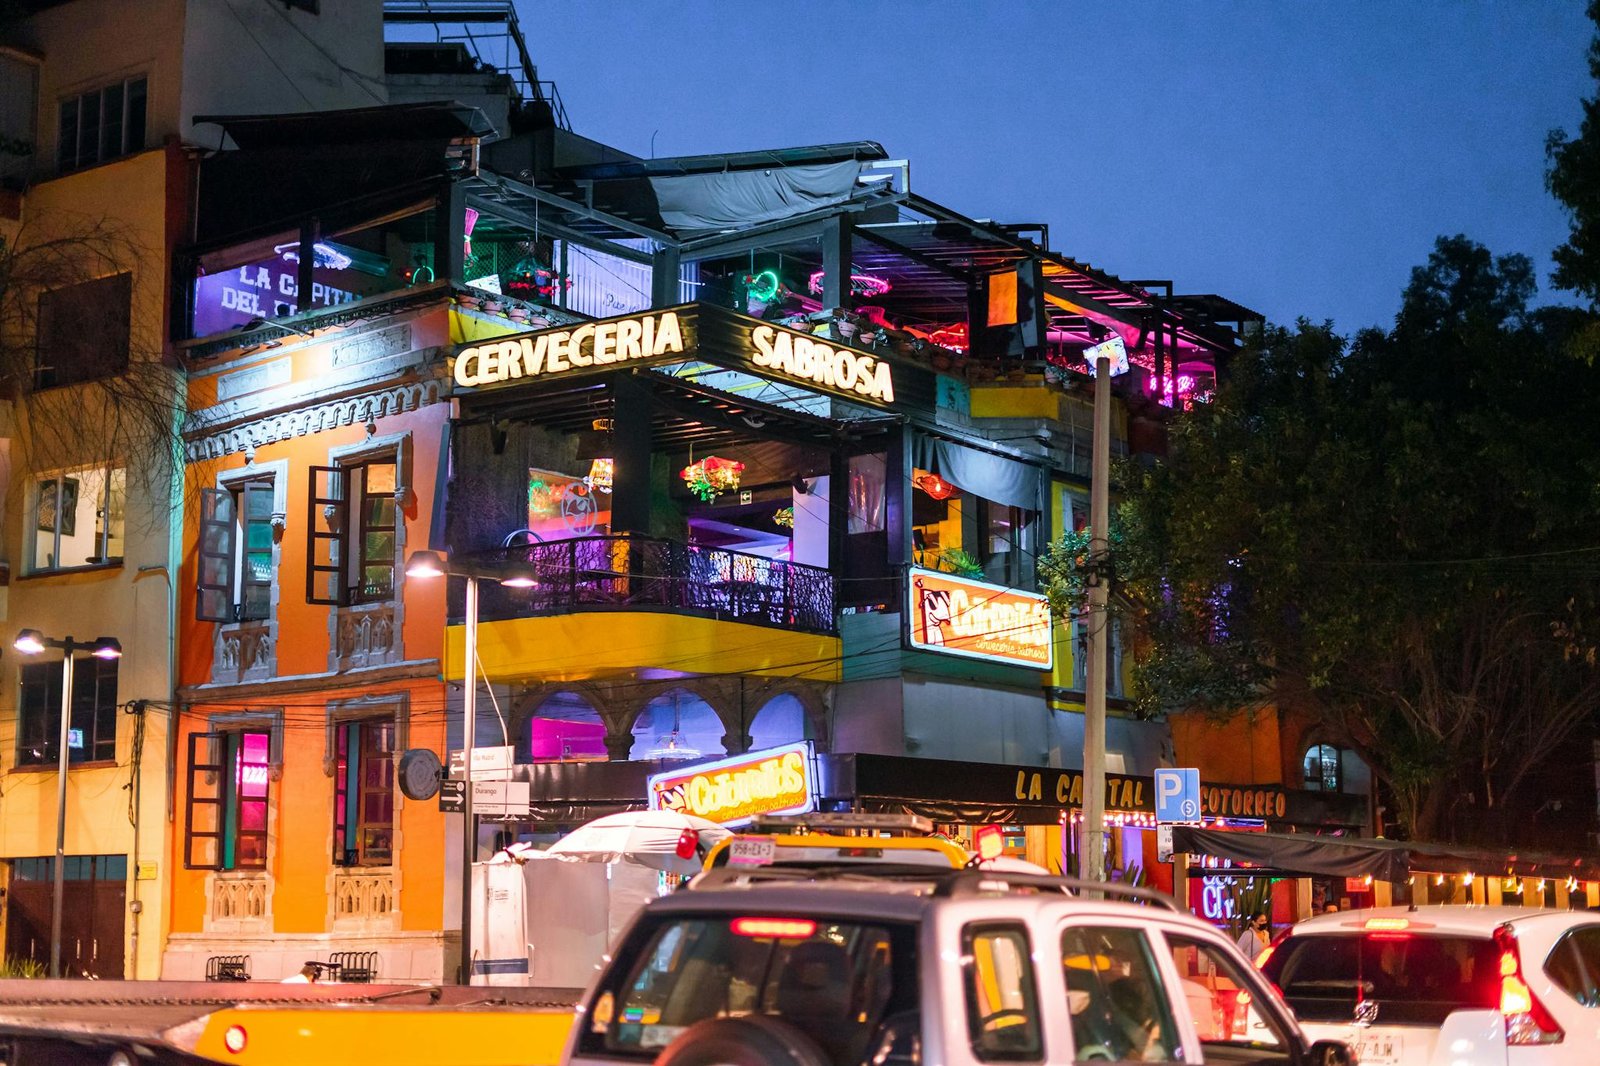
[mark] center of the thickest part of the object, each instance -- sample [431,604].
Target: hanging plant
[712,476]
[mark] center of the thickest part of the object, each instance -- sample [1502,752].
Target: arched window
[781,720]
[677,725]
[563,726]
[1321,767]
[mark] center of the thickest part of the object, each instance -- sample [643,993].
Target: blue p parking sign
[1178,795]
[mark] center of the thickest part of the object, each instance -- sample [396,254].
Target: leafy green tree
[1395,536]
[1573,178]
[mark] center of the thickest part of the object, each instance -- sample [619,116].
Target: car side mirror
[1331,1053]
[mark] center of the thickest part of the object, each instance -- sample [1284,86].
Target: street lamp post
[1108,358]
[32,642]
[428,564]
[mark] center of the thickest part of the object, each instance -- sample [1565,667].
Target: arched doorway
[677,725]
[563,726]
[781,720]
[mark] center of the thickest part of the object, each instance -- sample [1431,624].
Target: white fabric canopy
[649,838]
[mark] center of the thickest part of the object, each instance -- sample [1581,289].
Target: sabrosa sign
[548,352]
[959,616]
[734,790]
[800,357]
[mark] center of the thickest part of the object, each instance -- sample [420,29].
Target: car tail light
[1527,1020]
[235,1038]
[779,928]
[1390,925]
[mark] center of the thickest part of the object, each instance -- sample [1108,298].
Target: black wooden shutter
[215,602]
[203,812]
[327,530]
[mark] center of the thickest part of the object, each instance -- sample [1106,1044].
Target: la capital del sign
[593,344]
[959,616]
[732,791]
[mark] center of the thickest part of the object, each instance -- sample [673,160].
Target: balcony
[622,573]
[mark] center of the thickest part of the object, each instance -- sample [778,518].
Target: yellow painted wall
[594,644]
[129,602]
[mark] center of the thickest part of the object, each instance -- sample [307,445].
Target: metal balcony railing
[649,573]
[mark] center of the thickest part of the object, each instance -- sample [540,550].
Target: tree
[126,411]
[1394,535]
[1573,178]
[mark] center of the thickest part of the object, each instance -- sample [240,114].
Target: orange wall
[1235,752]
[302,799]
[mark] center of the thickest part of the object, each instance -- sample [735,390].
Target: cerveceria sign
[593,344]
[693,331]
[735,790]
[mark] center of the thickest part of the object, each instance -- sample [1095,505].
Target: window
[229,782]
[1005,540]
[83,331]
[1574,965]
[850,987]
[92,731]
[102,124]
[1420,979]
[236,542]
[1116,999]
[1321,766]
[1226,1012]
[363,792]
[1002,1006]
[77,519]
[353,557]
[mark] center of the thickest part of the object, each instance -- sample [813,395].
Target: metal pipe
[59,893]
[1099,622]
[469,830]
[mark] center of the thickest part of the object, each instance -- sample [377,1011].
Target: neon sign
[958,616]
[557,351]
[733,791]
[800,357]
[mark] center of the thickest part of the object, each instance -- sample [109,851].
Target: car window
[1226,1013]
[1574,965]
[1002,1001]
[1116,998]
[1417,978]
[835,980]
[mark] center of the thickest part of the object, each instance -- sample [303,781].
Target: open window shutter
[202,842]
[327,532]
[217,532]
[255,569]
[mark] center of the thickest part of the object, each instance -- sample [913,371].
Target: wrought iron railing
[623,572]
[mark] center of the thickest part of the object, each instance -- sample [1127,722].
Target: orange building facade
[308,664]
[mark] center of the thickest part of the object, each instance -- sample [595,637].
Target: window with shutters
[363,796]
[236,552]
[225,824]
[353,548]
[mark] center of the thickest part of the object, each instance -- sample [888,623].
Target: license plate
[752,852]
[1377,1049]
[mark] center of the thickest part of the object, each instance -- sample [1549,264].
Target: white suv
[1452,985]
[838,968]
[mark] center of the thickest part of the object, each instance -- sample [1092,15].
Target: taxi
[828,839]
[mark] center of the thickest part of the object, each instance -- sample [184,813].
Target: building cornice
[314,418]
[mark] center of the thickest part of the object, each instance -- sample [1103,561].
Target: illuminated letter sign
[804,359]
[554,351]
[734,790]
[957,616]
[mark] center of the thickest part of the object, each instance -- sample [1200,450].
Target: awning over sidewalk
[1384,860]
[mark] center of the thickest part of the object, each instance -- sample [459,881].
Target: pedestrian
[1255,938]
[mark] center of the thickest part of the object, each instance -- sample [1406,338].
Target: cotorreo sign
[557,351]
[734,790]
[958,616]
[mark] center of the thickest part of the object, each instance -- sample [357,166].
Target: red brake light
[1526,1019]
[688,844]
[1388,924]
[778,928]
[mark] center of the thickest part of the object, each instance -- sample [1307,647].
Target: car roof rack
[972,882]
[835,821]
[734,876]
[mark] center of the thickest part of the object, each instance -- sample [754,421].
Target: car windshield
[1414,978]
[835,980]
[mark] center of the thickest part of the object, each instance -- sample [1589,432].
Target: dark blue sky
[1299,158]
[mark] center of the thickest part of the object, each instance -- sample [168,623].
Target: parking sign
[1178,795]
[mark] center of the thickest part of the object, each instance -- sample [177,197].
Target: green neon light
[765,285]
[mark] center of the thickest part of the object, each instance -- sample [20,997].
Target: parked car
[782,966]
[1466,986]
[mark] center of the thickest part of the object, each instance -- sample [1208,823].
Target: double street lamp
[429,564]
[32,642]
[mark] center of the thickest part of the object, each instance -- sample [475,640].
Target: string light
[860,284]
[1439,880]
[1466,879]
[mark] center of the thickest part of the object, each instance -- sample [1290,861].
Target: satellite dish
[419,774]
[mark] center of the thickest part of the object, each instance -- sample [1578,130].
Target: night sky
[1299,158]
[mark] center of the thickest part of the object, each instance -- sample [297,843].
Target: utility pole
[1108,357]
